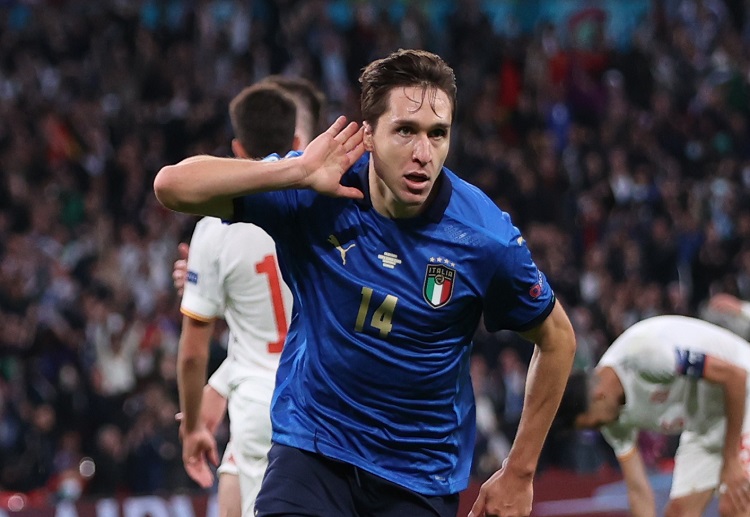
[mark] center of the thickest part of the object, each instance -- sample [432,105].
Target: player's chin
[414,197]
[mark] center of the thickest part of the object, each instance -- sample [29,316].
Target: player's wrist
[519,468]
[298,173]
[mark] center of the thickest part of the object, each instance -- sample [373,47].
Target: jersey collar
[435,210]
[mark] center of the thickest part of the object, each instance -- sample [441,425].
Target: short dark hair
[575,401]
[263,119]
[404,68]
[308,94]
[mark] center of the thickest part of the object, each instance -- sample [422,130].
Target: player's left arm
[510,488]
[198,444]
[732,379]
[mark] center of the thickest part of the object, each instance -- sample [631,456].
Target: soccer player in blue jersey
[392,260]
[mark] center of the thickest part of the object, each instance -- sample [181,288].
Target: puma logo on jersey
[333,240]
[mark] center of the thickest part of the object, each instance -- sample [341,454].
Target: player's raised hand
[329,156]
[179,273]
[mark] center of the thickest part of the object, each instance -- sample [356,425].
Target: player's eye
[438,133]
[405,131]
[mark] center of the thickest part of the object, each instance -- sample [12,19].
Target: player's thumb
[349,192]
[182,250]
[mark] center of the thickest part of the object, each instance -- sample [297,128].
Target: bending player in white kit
[673,374]
[243,274]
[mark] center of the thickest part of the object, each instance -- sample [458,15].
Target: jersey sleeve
[623,439]
[219,380]
[202,299]
[269,210]
[518,295]
[272,211]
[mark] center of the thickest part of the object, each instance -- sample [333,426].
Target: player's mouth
[417,181]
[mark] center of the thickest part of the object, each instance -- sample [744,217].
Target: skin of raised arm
[510,490]
[206,185]
[640,494]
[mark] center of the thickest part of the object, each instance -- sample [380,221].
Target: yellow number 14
[381,318]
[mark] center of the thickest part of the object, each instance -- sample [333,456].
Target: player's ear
[368,135]
[238,150]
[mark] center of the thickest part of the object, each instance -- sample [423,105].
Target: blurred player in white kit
[232,272]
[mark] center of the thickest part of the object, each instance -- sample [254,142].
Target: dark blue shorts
[305,484]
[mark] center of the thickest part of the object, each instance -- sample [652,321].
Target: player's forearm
[642,504]
[192,360]
[640,495]
[732,380]
[734,404]
[191,377]
[548,373]
[206,185]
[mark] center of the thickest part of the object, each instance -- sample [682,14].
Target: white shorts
[228,465]
[250,428]
[699,459]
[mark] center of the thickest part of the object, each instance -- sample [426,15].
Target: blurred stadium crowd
[626,167]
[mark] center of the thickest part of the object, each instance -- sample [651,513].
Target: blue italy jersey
[375,370]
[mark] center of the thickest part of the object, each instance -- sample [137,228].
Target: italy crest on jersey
[438,284]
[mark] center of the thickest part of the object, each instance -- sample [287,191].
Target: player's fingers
[199,472]
[213,455]
[348,133]
[478,509]
[182,250]
[355,153]
[337,126]
[737,498]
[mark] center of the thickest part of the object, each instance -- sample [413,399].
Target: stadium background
[614,132]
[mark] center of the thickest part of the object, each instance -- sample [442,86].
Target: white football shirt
[660,363]
[233,273]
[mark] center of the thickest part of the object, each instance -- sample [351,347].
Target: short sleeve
[202,299]
[621,438]
[518,295]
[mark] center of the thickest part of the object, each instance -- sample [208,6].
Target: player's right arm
[640,494]
[207,184]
